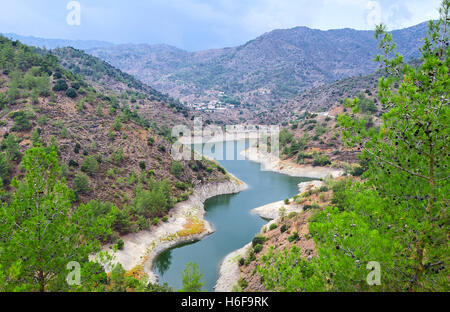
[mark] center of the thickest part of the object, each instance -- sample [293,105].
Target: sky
[200,24]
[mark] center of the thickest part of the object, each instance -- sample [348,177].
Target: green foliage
[176,168]
[89,165]
[191,278]
[21,121]
[81,183]
[60,85]
[273,226]
[11,147]
[397,215]
[257,248]
[155,202]
[321,160]
[71,92]
[40,226]
[259,239]
[4,170]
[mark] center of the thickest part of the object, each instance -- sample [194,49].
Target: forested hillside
[386,228]
[85,154]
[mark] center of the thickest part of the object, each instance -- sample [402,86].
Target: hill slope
[108,151]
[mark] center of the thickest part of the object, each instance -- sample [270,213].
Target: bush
[176,169]
[156,221]
[321,160]
[150,141]
[81,183]
[257,248]
[241,261]
[142,165]
[154,202]
[21,121]
[120,244]
[293,237]
[357,171]
[286,201]
[4,170]
[259,239]
[60,85]
[273,226]
[73,163]
[71,93]
[323,188]
[89,165]
[283,228]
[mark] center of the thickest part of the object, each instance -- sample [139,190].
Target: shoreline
[142,248]
[229,270]
[273,163]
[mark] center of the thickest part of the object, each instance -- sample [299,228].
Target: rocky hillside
[150,103]
[108,151]
[267,71]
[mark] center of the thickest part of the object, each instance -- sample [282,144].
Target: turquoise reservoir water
[230,216]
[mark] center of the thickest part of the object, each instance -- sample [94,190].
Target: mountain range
[264,73]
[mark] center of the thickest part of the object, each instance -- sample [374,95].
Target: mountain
[264,72]
[152,104]
[108,149]
[55,43]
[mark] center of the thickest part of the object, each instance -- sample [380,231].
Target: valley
[352,177]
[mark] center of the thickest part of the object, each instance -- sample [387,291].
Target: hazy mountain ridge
[55,43]
[270,69]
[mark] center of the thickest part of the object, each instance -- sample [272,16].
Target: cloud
[202,24]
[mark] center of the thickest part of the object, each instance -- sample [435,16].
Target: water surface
[230,216]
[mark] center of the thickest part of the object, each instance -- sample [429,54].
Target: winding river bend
[230,215]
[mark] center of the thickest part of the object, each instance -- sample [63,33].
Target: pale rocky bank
[142,248]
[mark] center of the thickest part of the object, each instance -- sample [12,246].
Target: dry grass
[193,226]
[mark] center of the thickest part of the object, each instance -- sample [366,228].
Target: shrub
[293,237]
[357,171]
[283,228]
[4,170]
[156,221]
[21,121]
[176,169]
[259,239]
[286,201]
[89,165]
[81,183]
[142,165]
[321,160]
[241,261]
[73,163]
[120,244]
[323,188]
[71,93]
[165,219]
[117,157]
[150,141]
[60,85]
[257,248]
[273,226]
